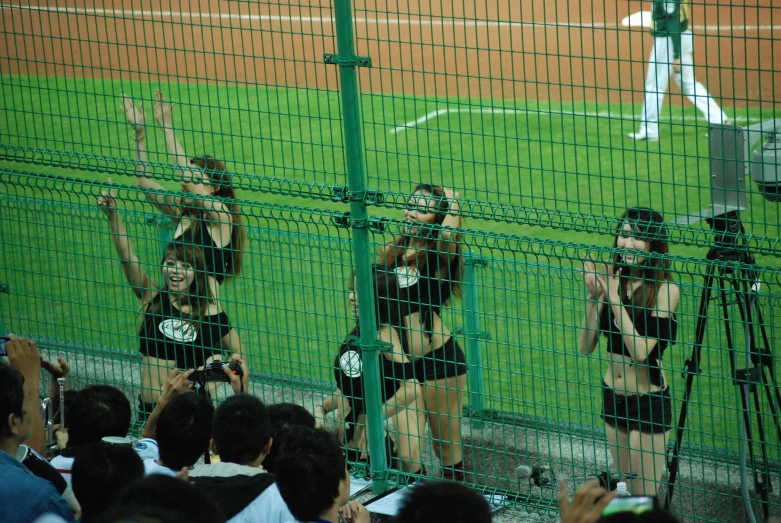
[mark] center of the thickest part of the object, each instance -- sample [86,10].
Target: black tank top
[428,287]
[219,260]
[348,374]
[170,335]
[664,330]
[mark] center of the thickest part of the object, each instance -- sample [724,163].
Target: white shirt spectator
[245,494]
[149,451]
[63,466]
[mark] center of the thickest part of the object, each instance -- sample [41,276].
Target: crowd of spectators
[242,461]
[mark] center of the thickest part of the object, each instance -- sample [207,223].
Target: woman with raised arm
[401,392]
[632,302]
[427,260]
[183,326]
[209,223]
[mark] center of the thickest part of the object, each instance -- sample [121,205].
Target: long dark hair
[390,303]
[199,295]
[647,225]
[390,253]
[219,176]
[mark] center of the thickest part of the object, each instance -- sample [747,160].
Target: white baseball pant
[658,80]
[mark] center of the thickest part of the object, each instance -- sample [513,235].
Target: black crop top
[169,335]
[428,287]
[348,373]
[662,329]
[219,260]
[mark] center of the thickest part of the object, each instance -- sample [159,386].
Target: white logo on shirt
[406,276]
[351,364]
[178,330]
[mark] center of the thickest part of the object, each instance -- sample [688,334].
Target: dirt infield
[560,50]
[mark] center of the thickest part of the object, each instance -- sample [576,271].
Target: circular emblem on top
[178,330]
[406,276]
[351,364]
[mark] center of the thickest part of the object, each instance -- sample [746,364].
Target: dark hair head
[241,429]
[647,225]
[219,176]
[96,412]
[396,248]
[11,396]
[199,295]
[282,416]
[101,470]
[184,430]
[159,494]
[445,502]
[310,469]
[139,515]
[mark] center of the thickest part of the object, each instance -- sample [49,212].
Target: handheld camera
[631,504]
[213,372]
[3,352]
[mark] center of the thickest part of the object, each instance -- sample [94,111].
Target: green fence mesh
[326,115]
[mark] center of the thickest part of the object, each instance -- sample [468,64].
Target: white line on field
[493,110]
[433,21]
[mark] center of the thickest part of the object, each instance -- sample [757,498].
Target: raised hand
[609,282]
[590,276]
[239,384]
[107,201]
[177,384]
[589,503]
[135,115]
[163,110]
[57,370]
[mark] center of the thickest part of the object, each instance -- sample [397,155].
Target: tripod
[758,358]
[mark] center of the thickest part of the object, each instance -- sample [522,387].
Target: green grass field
[290,303]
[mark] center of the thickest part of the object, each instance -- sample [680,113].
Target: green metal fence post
[347,62]
[473,335]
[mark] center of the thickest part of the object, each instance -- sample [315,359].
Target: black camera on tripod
[213,372]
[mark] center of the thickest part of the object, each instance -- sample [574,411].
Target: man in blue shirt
[25,496]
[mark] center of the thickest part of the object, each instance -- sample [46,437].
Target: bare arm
[137,119]
[164,116]
[408,394]
[139,281]
[448,244]
[175,385]
[231,342]
[588,338]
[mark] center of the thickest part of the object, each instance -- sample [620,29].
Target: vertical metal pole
[473,334]
[361,243]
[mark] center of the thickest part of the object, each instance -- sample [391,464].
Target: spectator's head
[17,403]
[312,473]
[241,432]
[96,412]
[164,499]
[281,416]
[444,502]
[184,430]
[100,471]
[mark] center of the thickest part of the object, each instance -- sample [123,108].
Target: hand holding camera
[232,371]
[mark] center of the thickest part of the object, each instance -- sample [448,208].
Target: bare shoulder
[214,309]
[667,298]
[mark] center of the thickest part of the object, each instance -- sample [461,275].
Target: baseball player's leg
[656,83]
[693,89]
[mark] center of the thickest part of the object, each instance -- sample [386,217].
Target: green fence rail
[327,114]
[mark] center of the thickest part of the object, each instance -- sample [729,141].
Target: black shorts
[650,413]
[445,362]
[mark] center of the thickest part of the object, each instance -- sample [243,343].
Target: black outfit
[649,413]
[348,373]
[219,260]
[170,335]
[427,294]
